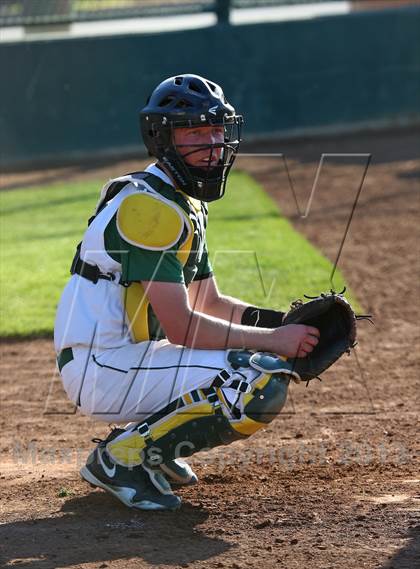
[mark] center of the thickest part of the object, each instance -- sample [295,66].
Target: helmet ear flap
[154,133]
[160,138]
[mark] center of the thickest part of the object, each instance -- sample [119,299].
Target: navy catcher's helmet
[188,101]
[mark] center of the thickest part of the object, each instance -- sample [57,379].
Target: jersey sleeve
[205,270]
[159,266]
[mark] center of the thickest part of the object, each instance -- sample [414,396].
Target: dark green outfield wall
[69,98]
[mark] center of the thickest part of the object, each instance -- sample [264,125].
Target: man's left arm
[205,297]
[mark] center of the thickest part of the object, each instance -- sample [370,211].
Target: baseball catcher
[145,339]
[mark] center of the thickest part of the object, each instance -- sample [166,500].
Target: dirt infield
[332,483]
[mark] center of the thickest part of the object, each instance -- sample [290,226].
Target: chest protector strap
[109,191]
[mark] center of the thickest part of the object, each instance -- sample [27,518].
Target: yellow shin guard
[202,419]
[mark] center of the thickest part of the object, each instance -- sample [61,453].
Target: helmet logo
[213,110]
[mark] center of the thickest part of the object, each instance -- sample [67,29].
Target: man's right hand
[294,340]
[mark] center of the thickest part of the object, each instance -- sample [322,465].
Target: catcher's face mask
[203,157]
[200,146]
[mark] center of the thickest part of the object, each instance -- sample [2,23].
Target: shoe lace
[111,435]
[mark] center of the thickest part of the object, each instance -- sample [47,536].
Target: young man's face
[188,139]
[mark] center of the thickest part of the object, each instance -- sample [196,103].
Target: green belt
[64,357]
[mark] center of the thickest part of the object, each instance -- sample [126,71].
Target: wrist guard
[262,317]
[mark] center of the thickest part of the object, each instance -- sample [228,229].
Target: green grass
[270,264]
[40,229]
[64,493]
[256,253]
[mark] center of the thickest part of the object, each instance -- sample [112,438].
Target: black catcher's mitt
[335,319]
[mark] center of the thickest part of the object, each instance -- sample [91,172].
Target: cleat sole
[125,495]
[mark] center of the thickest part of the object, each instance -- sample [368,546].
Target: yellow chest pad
[149,222]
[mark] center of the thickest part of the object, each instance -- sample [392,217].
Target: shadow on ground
[72,535]
[407,557]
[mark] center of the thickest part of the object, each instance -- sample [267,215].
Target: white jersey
[107,314]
